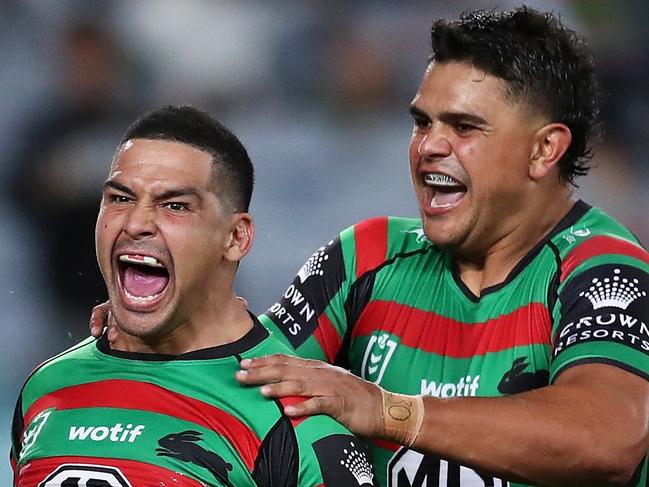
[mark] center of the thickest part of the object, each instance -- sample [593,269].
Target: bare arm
[591,426]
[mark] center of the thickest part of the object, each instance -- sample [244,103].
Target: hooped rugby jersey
[383,301]
[95,417]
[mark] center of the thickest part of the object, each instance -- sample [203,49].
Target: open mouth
[143,280]
[446,190]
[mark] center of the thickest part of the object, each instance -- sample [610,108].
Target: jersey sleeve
[602,311]
[310,316]
[313,451]
[331,456]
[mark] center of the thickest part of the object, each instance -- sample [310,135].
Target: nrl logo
[378,353]
[33,430]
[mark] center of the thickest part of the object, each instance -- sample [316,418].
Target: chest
[426,336]
[138,431]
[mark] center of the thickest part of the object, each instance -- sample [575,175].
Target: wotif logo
[116,433]
[465,387]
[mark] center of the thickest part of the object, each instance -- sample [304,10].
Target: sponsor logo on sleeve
[72,475]
[609,304]
[378,353]
[343,461]
[319,279]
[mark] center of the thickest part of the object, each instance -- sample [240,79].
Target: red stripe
[139,474]
[328,338]
[144,396]
[600,245]
[433,333]
[386,445]
[290,401]
[371,238]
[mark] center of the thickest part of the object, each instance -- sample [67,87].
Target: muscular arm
[592,425]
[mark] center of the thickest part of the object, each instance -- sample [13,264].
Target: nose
[434,144]
[141,221]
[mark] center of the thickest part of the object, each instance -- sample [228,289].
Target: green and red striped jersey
[97,417]
[383,301]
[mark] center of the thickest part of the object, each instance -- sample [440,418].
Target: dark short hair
[233,173]
[544,64]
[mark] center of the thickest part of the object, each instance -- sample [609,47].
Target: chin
[140,325]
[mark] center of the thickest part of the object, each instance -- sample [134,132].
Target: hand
[100,318]
[332,390]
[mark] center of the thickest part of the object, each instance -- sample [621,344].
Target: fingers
[279,359]
[315,405]
[280,368]
[112,333]
[283,389]
[98,319]
[264,374]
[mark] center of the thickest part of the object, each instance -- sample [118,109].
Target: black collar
[255,336]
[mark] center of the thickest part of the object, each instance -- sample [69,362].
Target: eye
[463,128]
[176,206]
[421,122]
[118,198]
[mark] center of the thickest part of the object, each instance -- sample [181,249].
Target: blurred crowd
[317,90]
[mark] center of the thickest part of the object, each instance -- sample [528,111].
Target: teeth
[141,299]
[141,259]
[436,179]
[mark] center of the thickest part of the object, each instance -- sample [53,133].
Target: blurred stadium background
[317,90]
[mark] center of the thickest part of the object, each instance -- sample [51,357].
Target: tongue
[446,199]
[139,283]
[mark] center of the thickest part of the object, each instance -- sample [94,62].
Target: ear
[550,144]
[240,237]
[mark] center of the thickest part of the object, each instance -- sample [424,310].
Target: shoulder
[64,366]
[328,449]
[597,239]
[380,239]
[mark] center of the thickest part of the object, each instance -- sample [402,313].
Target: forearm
[550,436]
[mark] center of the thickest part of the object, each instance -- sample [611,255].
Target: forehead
[158,162]
[459,87]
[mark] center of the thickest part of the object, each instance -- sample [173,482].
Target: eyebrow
[165,195]
[449,117]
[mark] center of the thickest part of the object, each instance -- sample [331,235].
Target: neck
[481,270]
[218,325]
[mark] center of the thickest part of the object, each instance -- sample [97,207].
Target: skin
[506,156]
[592,425]
[160,200]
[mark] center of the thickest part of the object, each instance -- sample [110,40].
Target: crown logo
[313,266]
[616,292]
[356,463]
